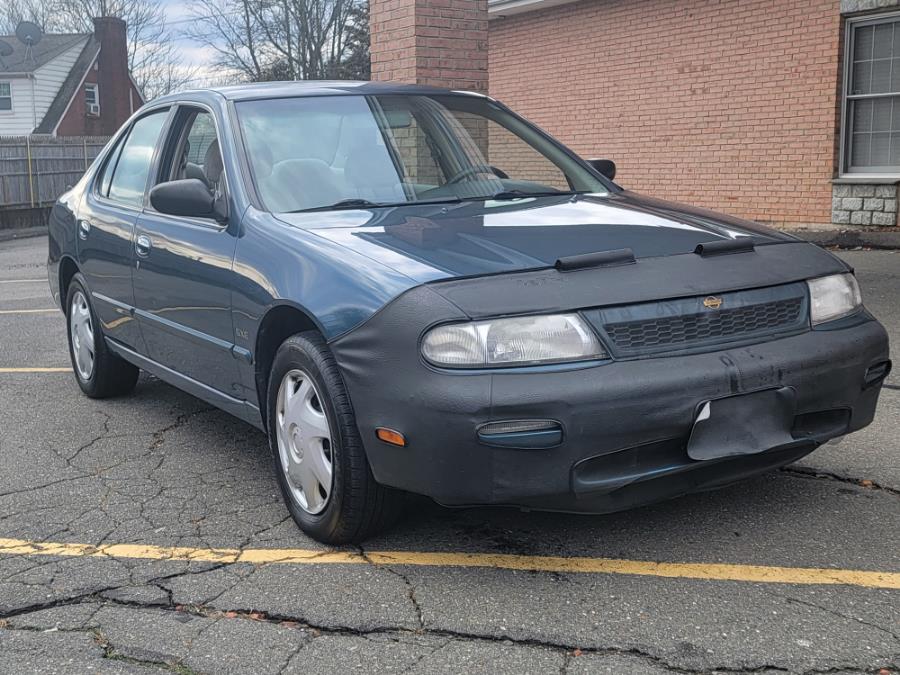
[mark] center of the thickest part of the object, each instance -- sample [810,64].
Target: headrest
[212,163]
[370,164]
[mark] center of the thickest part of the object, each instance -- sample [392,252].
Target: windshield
[322,152]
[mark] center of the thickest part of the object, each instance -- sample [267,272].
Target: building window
[5,96]
[872,96]
[92,100]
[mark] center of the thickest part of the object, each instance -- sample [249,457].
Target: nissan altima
[411,289]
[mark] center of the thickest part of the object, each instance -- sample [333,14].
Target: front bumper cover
[625,423]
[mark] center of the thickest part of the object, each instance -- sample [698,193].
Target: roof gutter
[500,8]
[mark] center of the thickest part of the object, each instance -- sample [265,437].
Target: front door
[105,228]
[182,270]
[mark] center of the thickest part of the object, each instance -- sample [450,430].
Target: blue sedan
[416,290]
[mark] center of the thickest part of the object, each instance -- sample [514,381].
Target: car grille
[723,323]
[687,323]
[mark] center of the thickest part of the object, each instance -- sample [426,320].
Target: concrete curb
[22,233]
[880,238]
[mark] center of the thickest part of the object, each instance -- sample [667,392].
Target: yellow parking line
[35,370]
[579,565]
[29,311]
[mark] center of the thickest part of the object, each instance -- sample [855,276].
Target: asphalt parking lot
[147,532]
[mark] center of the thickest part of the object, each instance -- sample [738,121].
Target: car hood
[443,241]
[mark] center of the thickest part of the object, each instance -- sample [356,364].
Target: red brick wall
[437,42]
[730,105]
[76,122]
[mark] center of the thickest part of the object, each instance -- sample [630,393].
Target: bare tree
[284,39]
[230,29]
[152,57]
[14,11]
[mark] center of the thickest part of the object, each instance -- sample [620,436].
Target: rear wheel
[98,371]
[319,459]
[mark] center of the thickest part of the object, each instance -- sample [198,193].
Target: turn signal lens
[833,297]
[523,340]
[391,436]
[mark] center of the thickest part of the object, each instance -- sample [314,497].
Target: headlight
[517,341]
[833,297]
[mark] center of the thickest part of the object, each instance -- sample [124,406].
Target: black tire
[357,506]
[111,375]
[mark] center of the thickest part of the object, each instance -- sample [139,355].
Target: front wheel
[319,459]
[99,372]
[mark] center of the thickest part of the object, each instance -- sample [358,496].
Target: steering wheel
[459,176]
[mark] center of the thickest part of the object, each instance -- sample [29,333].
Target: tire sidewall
[299,353]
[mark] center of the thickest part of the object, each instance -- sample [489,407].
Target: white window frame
[95,88]
[844,170]
[8,84]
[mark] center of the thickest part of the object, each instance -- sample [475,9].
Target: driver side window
[192,152]
[197,154]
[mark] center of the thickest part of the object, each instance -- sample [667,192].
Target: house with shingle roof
[74,84]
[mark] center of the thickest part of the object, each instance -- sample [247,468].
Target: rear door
[183,266]
[106,225]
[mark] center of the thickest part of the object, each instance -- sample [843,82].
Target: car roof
[264,90]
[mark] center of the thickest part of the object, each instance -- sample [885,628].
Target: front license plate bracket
[745,424]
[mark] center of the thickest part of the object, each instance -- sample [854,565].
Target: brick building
[68,85]
[783,112]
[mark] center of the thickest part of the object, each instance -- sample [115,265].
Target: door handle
[142,245]
[84,228]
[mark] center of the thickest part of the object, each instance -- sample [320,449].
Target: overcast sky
[178,16]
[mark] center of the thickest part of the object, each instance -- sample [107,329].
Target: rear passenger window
[129,178]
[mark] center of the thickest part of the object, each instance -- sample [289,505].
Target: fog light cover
[521,434]
[516,426]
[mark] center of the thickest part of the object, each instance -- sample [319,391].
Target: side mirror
[189,197]
[606,167]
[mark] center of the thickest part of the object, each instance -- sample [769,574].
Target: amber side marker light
[391,436]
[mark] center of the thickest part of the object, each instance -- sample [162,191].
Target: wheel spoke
[311,492]
[319,463]
[301,477]
[315,424]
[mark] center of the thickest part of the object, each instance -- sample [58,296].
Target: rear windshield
[323,152]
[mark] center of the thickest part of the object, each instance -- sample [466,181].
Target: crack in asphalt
[569,652]
[111,653]
[805,472]
[180,420]
[106,434]
[410,587]
[813,605]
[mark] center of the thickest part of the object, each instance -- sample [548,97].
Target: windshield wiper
[354,203]
[522,194]
[358,203]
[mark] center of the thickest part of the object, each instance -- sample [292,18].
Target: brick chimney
[437,42]
[112,74]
